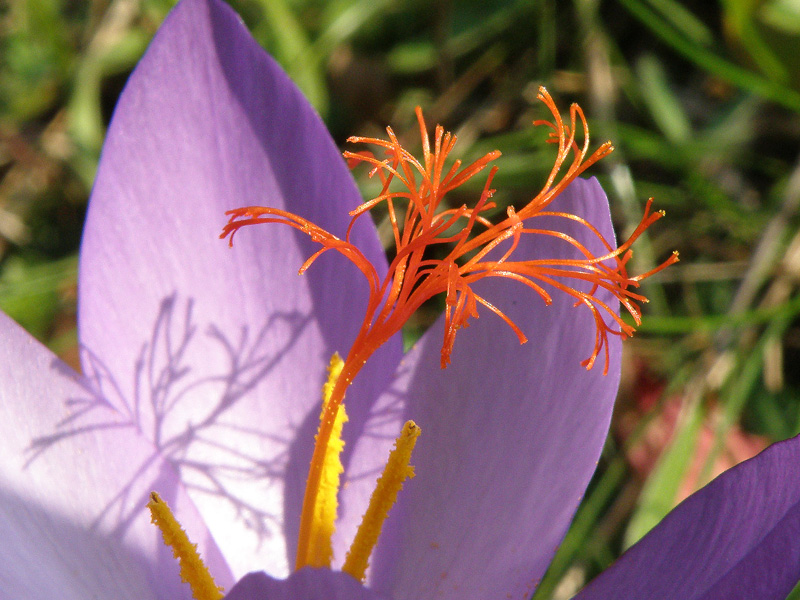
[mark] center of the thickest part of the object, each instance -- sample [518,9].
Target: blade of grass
[290,47]
[661,488]
[679,325]
[710,61]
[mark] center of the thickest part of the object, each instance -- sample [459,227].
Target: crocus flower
[203,368]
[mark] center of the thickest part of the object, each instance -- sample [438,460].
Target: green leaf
[709,60]
[288,41]
[665,109]
[660,490]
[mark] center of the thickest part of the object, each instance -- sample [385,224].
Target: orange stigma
[417,223]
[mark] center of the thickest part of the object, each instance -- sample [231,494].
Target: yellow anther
[317,551]
[193,570]
[383,498]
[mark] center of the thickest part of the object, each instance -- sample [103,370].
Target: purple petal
[74,488]
[219,355]
[510,437]
[735,539]
[308,584]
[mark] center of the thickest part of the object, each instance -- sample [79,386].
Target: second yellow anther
[383,498]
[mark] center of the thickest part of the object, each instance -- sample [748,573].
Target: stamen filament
[318,519]
[193,570]
[383,498]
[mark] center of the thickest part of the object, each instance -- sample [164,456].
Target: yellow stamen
[383,498]
[193,570]
[317,550]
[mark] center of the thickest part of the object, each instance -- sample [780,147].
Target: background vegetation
[701,99]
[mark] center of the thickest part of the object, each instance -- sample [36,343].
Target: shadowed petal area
[510,436]
[735,539]
[308,584]
[218,355]
[71,522]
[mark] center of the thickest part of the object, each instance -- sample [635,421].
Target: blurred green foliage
[701,99]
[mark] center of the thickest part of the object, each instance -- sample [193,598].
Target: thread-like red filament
[418,222]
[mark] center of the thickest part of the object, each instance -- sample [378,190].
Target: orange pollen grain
[420,220]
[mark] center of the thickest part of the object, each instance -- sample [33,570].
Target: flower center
[318,518]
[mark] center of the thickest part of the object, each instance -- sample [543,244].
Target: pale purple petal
[737,539]
[219,355]
[308,584]
[71,519]
[510,437]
